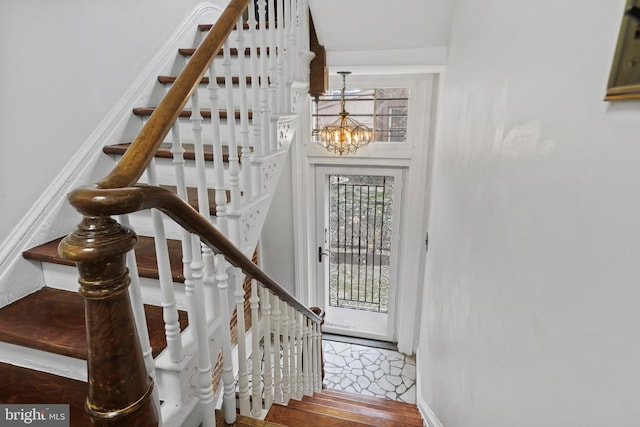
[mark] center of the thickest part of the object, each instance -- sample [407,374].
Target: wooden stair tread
[164,151]
[52,320]
[205,113]
[145,256]
[26,386]
[409,417]
[368,400]
[294,417]
[242,421]
[363,415]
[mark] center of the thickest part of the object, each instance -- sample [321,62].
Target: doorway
[357,234]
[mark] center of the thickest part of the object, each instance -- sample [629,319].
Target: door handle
[320,253]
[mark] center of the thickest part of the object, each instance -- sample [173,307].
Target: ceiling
[382,32]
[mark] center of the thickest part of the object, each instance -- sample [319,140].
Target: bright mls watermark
[34,415]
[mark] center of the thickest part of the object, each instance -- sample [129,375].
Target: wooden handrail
[134,162]
[98,202]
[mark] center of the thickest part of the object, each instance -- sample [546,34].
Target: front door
[357,249]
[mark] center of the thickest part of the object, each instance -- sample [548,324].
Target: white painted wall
[276,245]
[63,66]
[532,299]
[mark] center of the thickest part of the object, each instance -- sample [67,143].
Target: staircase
[174,323]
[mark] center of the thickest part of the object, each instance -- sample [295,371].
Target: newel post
[120,390]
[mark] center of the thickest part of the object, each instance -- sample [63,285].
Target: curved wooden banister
[97,202]
[134,162]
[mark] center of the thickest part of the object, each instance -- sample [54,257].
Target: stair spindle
[218,163]
[317,356]
[233,161]
[292,354]
[194,289]
[169,306]
[243,376]
[137,305]
[277,373]
[264,80]
[308,364]
[284,322]
[229,398]
[256,378]
[203,199]
[247,180]
[288,44]
[268,367]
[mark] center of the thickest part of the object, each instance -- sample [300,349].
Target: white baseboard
[51,216]
[430,419]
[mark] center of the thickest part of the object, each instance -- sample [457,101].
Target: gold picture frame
[624,79]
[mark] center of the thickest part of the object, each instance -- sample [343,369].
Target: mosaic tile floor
[369,371]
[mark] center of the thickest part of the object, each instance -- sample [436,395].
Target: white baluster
[273,75]
[304,53]
[247,181]
[218,161]
[243,376]
[203,198]
[194,290]
[258,144]
[234,163]
[300,363]
[139,317]
[297,35]
[266,346]
[255,84]
[277,374]
[292,353]
[229,398]
[288,58]
[284,321]
[308,361]
[264,80]
[317,358]
[280,55]
[256,378]
[170,309]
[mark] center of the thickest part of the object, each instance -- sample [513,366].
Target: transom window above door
[384,110]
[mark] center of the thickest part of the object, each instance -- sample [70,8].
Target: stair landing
[334,408]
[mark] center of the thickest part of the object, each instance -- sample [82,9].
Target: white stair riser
[187,134]
[66,278]
[39,360]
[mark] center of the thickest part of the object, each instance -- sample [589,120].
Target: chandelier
[344,135]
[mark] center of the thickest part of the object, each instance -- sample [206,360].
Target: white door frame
[378,326]
[413,155]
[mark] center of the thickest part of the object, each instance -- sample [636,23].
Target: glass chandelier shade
[344,135]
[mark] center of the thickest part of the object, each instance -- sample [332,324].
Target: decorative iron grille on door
[360,209]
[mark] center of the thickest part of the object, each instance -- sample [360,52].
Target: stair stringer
[51,215]
[251,219]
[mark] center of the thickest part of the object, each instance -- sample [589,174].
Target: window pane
[383,110]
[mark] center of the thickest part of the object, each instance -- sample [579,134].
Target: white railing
[278,356]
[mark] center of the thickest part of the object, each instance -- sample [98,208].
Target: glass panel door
[356,252]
